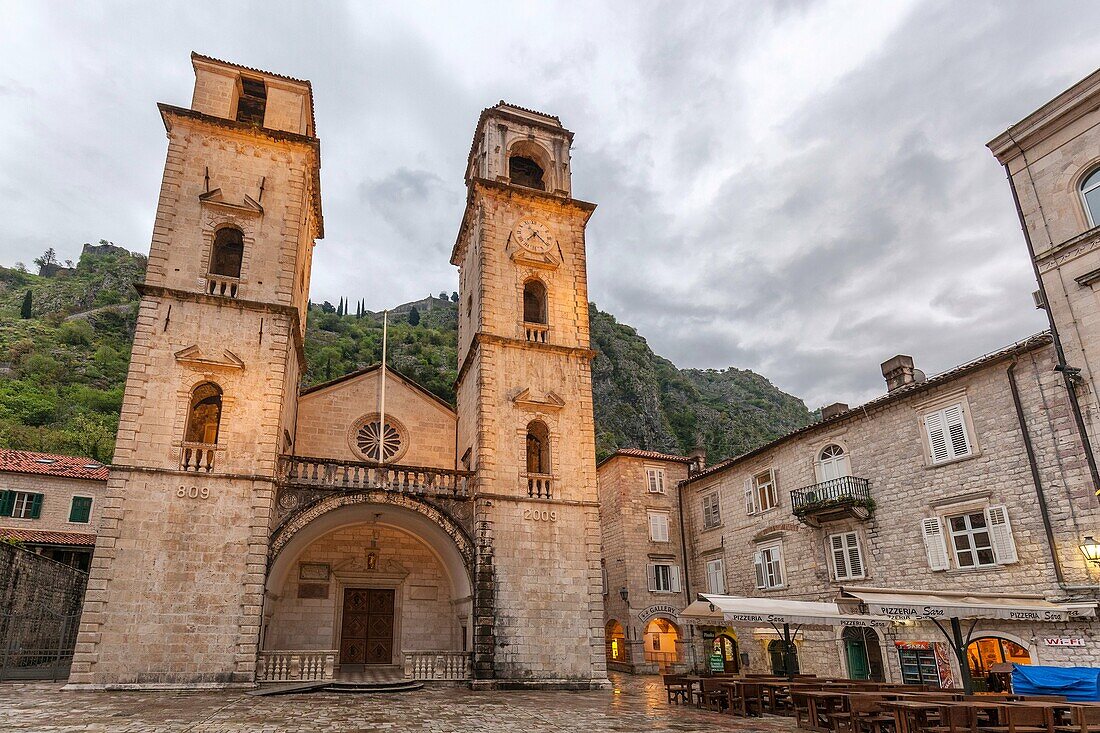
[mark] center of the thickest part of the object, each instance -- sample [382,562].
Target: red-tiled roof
[651,455]
[50,464]
[40,537]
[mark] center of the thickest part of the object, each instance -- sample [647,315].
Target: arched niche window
[832,463]
[534,302]
[205,414]
[524,171]
[538,448]
[228,252]
[1090,197]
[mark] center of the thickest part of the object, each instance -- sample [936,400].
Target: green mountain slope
[62,370]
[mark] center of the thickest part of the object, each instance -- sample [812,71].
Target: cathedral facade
[256,532]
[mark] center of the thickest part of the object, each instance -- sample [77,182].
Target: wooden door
[366,635]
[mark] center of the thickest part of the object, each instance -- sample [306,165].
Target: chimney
[698,460]
[898,372]
[833,410]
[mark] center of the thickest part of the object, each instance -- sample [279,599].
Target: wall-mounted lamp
[1090,548]
[624,594]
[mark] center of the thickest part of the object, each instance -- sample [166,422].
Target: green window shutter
[81,510]
[7,503]
[36,506]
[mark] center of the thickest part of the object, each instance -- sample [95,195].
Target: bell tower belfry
[175,592]
[524,394]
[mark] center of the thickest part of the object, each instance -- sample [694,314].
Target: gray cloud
[800,188]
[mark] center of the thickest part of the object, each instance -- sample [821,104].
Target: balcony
[536,333]
[539,485]
[198,456]
[222,285]
[326,473]
[829,501]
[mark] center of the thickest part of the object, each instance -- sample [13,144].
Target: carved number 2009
[540,515]
[193,492]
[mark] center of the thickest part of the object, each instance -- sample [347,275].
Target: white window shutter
[840,557]
[674,575]
[651,576]
[719,576]
[855,556]
[758,566]
[956,431]
[937,437]
[780,566]
[934,543]
[1000,534]
[773,488]
[750,497]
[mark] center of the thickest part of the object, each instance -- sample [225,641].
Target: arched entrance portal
[778,659]
[617,652]
[369,582]
[726,645]
[985,653]
[863,654]
[660,639]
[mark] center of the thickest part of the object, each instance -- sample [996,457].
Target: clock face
[533,236]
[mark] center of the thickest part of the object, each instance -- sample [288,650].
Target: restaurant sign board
[657,610]
[1063,641]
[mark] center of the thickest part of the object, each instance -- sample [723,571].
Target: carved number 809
[540,515]
[193,492]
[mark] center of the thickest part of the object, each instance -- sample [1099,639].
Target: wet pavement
[635,704]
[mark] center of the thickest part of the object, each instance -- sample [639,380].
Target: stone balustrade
[295,666]
[198,456]
[357,475]
[437,665]
[539,485]
[538,333]
[222,285]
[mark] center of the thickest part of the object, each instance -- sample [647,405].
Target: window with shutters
[761,492]
[846,555]
[658,526]
[712,515]
[979,539]
[716,576]
[655,478]
[663,578]
[80,512]
[948,439]
[768,565]
[21,504]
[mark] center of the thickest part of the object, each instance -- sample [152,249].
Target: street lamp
[1090,548]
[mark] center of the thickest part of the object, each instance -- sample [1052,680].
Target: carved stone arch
[529,148]
[187,386]
[212,221]
[447,520]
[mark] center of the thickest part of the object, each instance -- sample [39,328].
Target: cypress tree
[414,317]
[25,311]
[340,308]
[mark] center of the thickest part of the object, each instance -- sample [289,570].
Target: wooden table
[822,703]
[691,680]
[911,715]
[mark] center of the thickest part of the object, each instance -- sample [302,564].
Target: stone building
[643,558]
[251,532]
[51,504]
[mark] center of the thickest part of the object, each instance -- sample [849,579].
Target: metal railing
[538,333]
[437,665]
[198,456]
[539,485]
[291,666]
[846,489]
[353,475]
[222,285]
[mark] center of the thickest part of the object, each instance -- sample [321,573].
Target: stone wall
[30,583]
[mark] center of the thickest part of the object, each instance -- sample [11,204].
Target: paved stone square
[635,704]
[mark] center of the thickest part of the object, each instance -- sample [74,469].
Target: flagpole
[382,399]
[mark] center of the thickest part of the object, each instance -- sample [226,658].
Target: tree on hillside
[454,297]
[47,260]
[414,317]
[340,308]
[328,307]
[25,311]
[442,294]
[20,267]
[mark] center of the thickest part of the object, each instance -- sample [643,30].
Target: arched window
[538,448]
[832,463]
[205,414]
[985,654]
[534,302]
[1090,197]
[524,171]
[228,252]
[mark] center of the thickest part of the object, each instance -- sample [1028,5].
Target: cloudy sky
[800,188]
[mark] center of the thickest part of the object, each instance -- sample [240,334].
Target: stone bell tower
[525,406]
[175,591]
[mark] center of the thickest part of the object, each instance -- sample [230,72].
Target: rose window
[368,436]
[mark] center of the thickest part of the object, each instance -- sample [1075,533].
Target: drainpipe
[1035,479]
[686,575]
[1075,406]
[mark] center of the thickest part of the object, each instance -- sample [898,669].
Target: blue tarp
[1078,684]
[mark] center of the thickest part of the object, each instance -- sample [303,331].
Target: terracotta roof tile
[651,455]
[40,537]
[50,464]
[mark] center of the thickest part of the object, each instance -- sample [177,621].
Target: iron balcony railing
[845,490]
